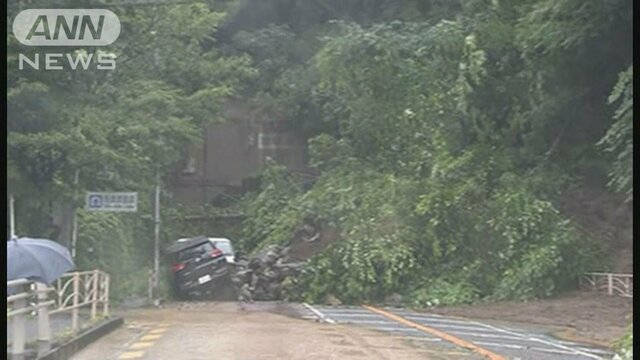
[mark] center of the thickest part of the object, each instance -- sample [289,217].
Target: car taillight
[216,253]
[178,267]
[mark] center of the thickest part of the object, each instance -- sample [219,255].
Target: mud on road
[580,316]
[192,331]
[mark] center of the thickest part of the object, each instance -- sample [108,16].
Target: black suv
[198,267]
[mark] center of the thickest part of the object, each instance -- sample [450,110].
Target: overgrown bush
[265,221]
[624,347]
[443,292]
[368,266]
[540,251]
[110,242]
[477,232]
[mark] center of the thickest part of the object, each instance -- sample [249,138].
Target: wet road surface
[508,342]
[232,331]
[264,331]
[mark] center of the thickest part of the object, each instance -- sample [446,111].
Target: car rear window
[225,247]
[193,252]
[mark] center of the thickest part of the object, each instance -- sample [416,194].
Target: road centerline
[445,336]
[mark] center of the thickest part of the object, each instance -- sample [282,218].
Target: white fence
[70,293]
[612,284]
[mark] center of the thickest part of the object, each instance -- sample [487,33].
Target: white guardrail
[612,284]
[70,293]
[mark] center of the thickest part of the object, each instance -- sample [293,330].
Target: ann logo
[69,31]
[66,27]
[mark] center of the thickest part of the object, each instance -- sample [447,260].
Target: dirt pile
[304,246]
[580,316]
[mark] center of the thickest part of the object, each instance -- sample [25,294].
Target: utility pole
[12,217]
[156,243]
[156,247]
[74,229]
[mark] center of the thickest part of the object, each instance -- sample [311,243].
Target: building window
[190,163]
[269,141]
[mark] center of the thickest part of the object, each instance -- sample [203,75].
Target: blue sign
[112,201]
[95,201]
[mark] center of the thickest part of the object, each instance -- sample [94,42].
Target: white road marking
[477,329]
[436,320]
[493,336]
[445,326]
[421,338]
[563,348]
[365,321]
[318,313]
[556,351]
[408,313]
[596,351]
[582,347]
[508,346]
[549,343]
[568,343]
[396,329]
[520,347]
[344,311]
[355,315]
[425,320]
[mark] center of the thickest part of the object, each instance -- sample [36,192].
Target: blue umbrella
[37,259]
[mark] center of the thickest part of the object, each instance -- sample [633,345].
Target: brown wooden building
[233,151]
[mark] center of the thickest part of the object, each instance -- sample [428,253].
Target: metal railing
[612,284]
[70,293]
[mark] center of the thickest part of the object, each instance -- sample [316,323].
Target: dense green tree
[618,140]
[91,130]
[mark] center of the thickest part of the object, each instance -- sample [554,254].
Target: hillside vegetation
[443,136]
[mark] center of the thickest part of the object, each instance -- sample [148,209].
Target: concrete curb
[65,350]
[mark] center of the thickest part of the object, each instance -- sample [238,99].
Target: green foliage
[474,209]
[265,223]
[532,276]
[110,242]
[624,346]
[547,26]
[476,223]
[619,138]
[564,46]
[366,267]
[326,152]
[373,83]
[442,292]
[271,48]
[119,127]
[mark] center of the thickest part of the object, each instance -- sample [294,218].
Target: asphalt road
[508,342]
[262,331]
[265,331]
